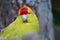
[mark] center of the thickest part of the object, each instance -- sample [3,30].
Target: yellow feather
[19,28]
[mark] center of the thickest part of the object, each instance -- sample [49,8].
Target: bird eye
[28,12]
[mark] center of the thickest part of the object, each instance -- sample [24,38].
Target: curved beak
[24,17]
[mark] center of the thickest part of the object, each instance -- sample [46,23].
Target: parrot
[24,27]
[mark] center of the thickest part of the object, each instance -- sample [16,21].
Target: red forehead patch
[23,10]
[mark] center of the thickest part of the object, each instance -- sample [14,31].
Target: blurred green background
[56,16]
[56,20]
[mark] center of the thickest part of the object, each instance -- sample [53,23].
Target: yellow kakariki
[18,28]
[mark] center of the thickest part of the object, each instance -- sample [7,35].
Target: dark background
[56,16]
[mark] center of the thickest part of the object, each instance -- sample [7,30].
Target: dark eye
[29,13]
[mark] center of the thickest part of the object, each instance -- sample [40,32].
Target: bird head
[23,11]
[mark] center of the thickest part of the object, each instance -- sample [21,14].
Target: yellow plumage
[18,28]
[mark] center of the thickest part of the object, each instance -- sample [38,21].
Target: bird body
[17,29]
